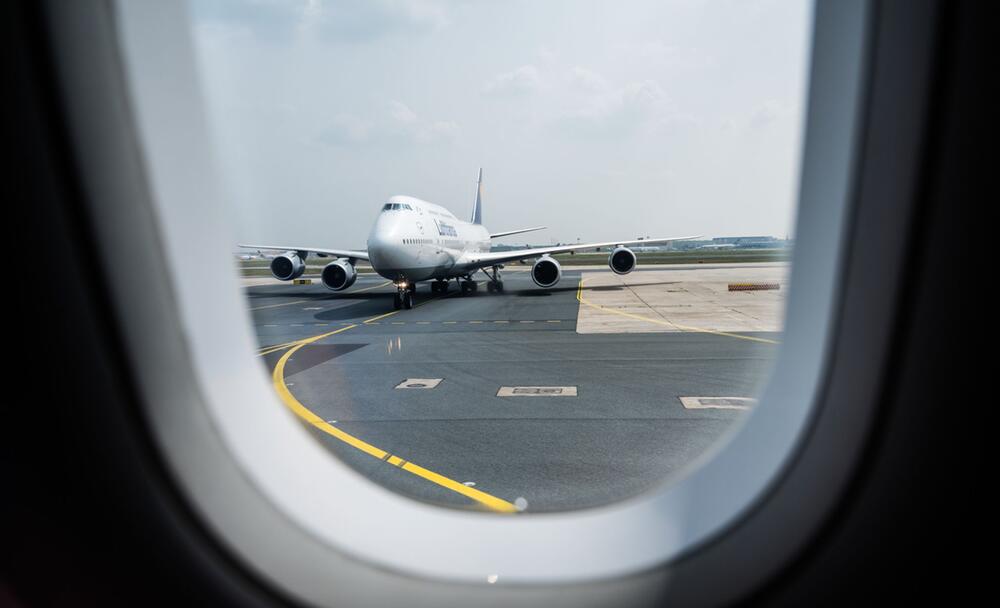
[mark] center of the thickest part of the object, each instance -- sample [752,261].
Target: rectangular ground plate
[302,282]
[719,403]
[420,383]
[537,391]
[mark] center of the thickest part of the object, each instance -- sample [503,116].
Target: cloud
[587,80]
[640,106]
[524,79]
[397,123]
[621,111]
[401,113]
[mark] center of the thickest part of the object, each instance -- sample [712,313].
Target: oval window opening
[597,296]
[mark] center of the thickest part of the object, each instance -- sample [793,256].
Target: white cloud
[524,79]
[401,113]
[437,132]
[397,123]
[587,80]
[621,111]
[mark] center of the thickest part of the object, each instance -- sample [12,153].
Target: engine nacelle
[546,272]
[287,266]
[622,260]
[339,275]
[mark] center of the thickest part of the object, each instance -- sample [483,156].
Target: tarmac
[532,400]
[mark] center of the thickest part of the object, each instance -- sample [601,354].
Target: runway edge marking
[579,297]
[487,500]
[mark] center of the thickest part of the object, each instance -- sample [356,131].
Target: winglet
[477,209]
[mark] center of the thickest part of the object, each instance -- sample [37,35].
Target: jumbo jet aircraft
[414,240]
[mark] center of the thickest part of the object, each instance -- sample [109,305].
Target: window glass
[526,384]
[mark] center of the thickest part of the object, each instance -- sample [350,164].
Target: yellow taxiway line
[281,387]
[277,305]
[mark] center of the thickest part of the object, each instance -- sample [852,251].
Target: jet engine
[287,266]
[339,275]
[546,272]
[622,260]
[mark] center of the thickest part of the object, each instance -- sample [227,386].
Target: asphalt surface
[624,432]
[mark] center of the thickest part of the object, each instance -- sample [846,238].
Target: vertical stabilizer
[477,209]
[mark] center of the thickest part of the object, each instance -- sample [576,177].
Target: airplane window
[598,332]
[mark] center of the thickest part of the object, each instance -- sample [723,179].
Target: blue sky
[601,120]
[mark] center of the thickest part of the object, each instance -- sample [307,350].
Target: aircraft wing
[337,253]
[497,235]
[500,257]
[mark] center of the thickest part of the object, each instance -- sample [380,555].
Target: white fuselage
[414,240]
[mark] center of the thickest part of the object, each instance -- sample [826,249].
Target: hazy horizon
[600,122]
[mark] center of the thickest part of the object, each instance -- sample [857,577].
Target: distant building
[734,242]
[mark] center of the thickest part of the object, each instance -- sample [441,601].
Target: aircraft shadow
[370,304]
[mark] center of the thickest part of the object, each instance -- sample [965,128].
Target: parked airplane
[414,240]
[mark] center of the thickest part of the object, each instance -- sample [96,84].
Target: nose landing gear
[404,295]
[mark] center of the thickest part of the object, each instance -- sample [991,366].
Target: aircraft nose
[383,243]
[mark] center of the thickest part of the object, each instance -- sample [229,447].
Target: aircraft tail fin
[477,209]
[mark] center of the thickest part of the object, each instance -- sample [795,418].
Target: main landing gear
[469,286]
[496,284]
[439,287]
[404,295]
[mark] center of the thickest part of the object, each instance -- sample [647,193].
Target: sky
[600,120]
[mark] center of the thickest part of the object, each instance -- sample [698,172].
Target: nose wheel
[404,297]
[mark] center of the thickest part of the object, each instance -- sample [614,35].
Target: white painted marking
[471,484]
[420,383]
[718,403]
[537,391]
[313,308]
[521,503]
